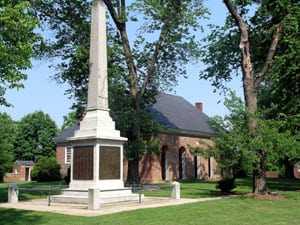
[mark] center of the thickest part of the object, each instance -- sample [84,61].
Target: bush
[46,169]
[226,185]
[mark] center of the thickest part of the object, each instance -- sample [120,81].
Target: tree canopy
[249,44]
[140,65]
[68,121]
[34,137]
[19,43]
[7,137]
[236,152]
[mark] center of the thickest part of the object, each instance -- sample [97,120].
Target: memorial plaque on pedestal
[83,163]
[109,162]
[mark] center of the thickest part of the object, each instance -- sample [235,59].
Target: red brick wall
[11,177]
[21,170]
[60,157]
[150,164]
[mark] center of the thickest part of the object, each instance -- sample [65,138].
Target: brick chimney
[199,106]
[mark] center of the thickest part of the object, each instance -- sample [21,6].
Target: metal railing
[15,191]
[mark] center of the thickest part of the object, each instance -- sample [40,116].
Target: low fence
[272,174]
[172,188]
[16,193]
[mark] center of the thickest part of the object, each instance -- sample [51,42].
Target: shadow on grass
[284,184]
[200,189]
[16,217]
[276,184]
[203,193]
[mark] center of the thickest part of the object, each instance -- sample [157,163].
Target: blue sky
[42,93]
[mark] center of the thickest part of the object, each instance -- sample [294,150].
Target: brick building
[182,125]
[21,171]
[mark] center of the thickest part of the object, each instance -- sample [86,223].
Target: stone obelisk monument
[97,156]
[97,122]
[97,145]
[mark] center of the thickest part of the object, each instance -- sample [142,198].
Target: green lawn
[237,210]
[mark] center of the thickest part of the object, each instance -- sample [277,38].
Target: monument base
[80,196]
[97,147]
[102,185]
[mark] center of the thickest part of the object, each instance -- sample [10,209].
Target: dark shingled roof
[67,133]
[174,113]
[24,163]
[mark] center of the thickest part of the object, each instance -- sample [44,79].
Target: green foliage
[18,44]
[226,185]
[124,115]
[46,169]
[230,148]
[175,23]
[234,149]
[34,137]
[256,36]
[69,120]
[277,143]
[7,136]
[69,22]
[221,53]
[280,93]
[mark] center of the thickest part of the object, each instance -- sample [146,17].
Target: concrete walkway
[82,210]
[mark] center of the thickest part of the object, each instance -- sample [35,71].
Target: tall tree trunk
[133,171]
[133,175]
[132,79]
[259,176]
[250,96]
[250,86]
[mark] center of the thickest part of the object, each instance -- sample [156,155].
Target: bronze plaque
[109,162]
[83,163]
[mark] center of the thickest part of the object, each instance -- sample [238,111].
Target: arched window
[182,163]
[197,166]
[164,163]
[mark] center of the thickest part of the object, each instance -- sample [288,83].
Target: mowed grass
[236,210]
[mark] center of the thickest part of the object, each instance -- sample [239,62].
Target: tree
[153,65]
[230,149]
[279,96]
[7,135]
[252,56]
[46,169]
[18,44]
[69,120]
[141,67]
[34,137]
[236,152]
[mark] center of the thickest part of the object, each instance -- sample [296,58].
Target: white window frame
[68,155]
